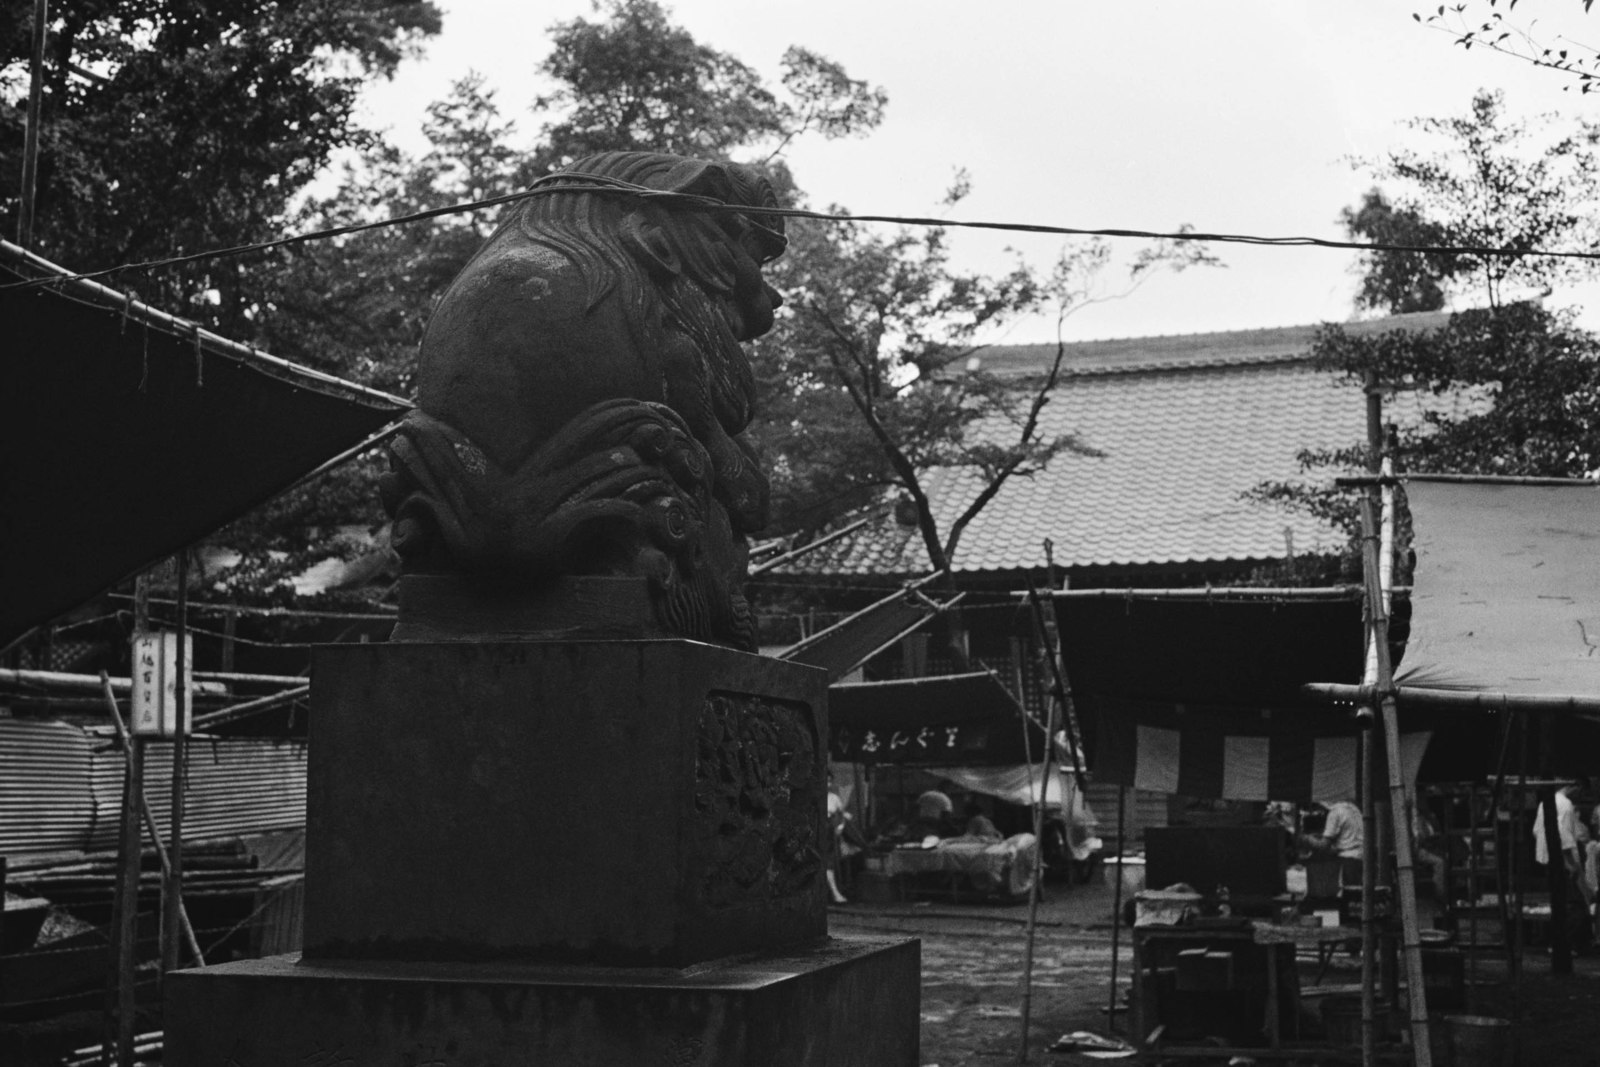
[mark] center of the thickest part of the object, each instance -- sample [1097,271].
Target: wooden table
[1163,941]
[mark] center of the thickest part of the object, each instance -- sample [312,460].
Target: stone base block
[846,1002]
[613,803]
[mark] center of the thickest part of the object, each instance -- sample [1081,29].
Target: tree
[1523,380]
[357,305]
[886,324]
[1495,184]
[1398,282]
[635,82]
[171,126]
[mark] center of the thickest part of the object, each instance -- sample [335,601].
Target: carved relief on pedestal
[758,797]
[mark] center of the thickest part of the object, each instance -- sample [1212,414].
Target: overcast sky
[1232,115]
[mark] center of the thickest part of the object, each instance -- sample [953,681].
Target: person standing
[1344,837]
[838,820]
[1579,926]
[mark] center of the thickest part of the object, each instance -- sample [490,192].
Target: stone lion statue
[582,390]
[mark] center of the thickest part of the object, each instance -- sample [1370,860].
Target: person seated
[979,826]
[935,817]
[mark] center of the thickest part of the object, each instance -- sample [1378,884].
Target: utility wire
[567,181]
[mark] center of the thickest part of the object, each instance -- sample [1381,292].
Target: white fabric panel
[1157,755]
[1244,768]
[1334,762]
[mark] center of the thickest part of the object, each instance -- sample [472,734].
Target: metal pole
[30,143]
[172,887]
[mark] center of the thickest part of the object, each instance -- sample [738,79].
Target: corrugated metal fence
[61,787]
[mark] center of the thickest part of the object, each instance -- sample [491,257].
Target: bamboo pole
[1116,911]
[1360,481]
[1371,853]
[92,292]
[1400,802]
[125,909]
[30,141]
[150,817]
[125,901]
[1421,696]
[796,553]
[172,874]
[1038,832]
[1223,592]
[260,705]
[1369,926]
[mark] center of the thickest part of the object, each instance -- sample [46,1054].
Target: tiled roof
[1181,439]
[1272,344]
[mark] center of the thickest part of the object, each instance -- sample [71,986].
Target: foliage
[1493,185]
[1514,385]
[1398,282]
[1517,393]
[636,82]
[885,323]
[1495,32]
[357,305]
[170,126]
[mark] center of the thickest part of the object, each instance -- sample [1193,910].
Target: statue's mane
[588,227]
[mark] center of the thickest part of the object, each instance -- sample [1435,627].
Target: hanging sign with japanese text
[155,684]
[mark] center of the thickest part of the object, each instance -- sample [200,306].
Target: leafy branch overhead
[1494,31]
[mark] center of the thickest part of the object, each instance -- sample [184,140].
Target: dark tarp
[122,440]
[1214,683]
[1299,753]
[956,720]
[1254,651]
[1506,596]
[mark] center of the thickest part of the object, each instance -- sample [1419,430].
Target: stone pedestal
[629,803]
[560,852]
[839,1004]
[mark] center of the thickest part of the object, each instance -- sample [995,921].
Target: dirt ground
[972,960]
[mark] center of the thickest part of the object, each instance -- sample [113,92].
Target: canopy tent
[128,433]
[1198,693]
[1507,588]
[945,720]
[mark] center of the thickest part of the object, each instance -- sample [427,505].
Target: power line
[567,181]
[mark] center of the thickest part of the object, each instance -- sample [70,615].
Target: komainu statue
[582,391]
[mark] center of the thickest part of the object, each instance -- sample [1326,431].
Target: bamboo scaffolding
[1401,802]
[222,716]
[149,817]
[1422,696]
[1362,481]
[172,882]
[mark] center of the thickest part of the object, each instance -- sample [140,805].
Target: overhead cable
[567,181]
